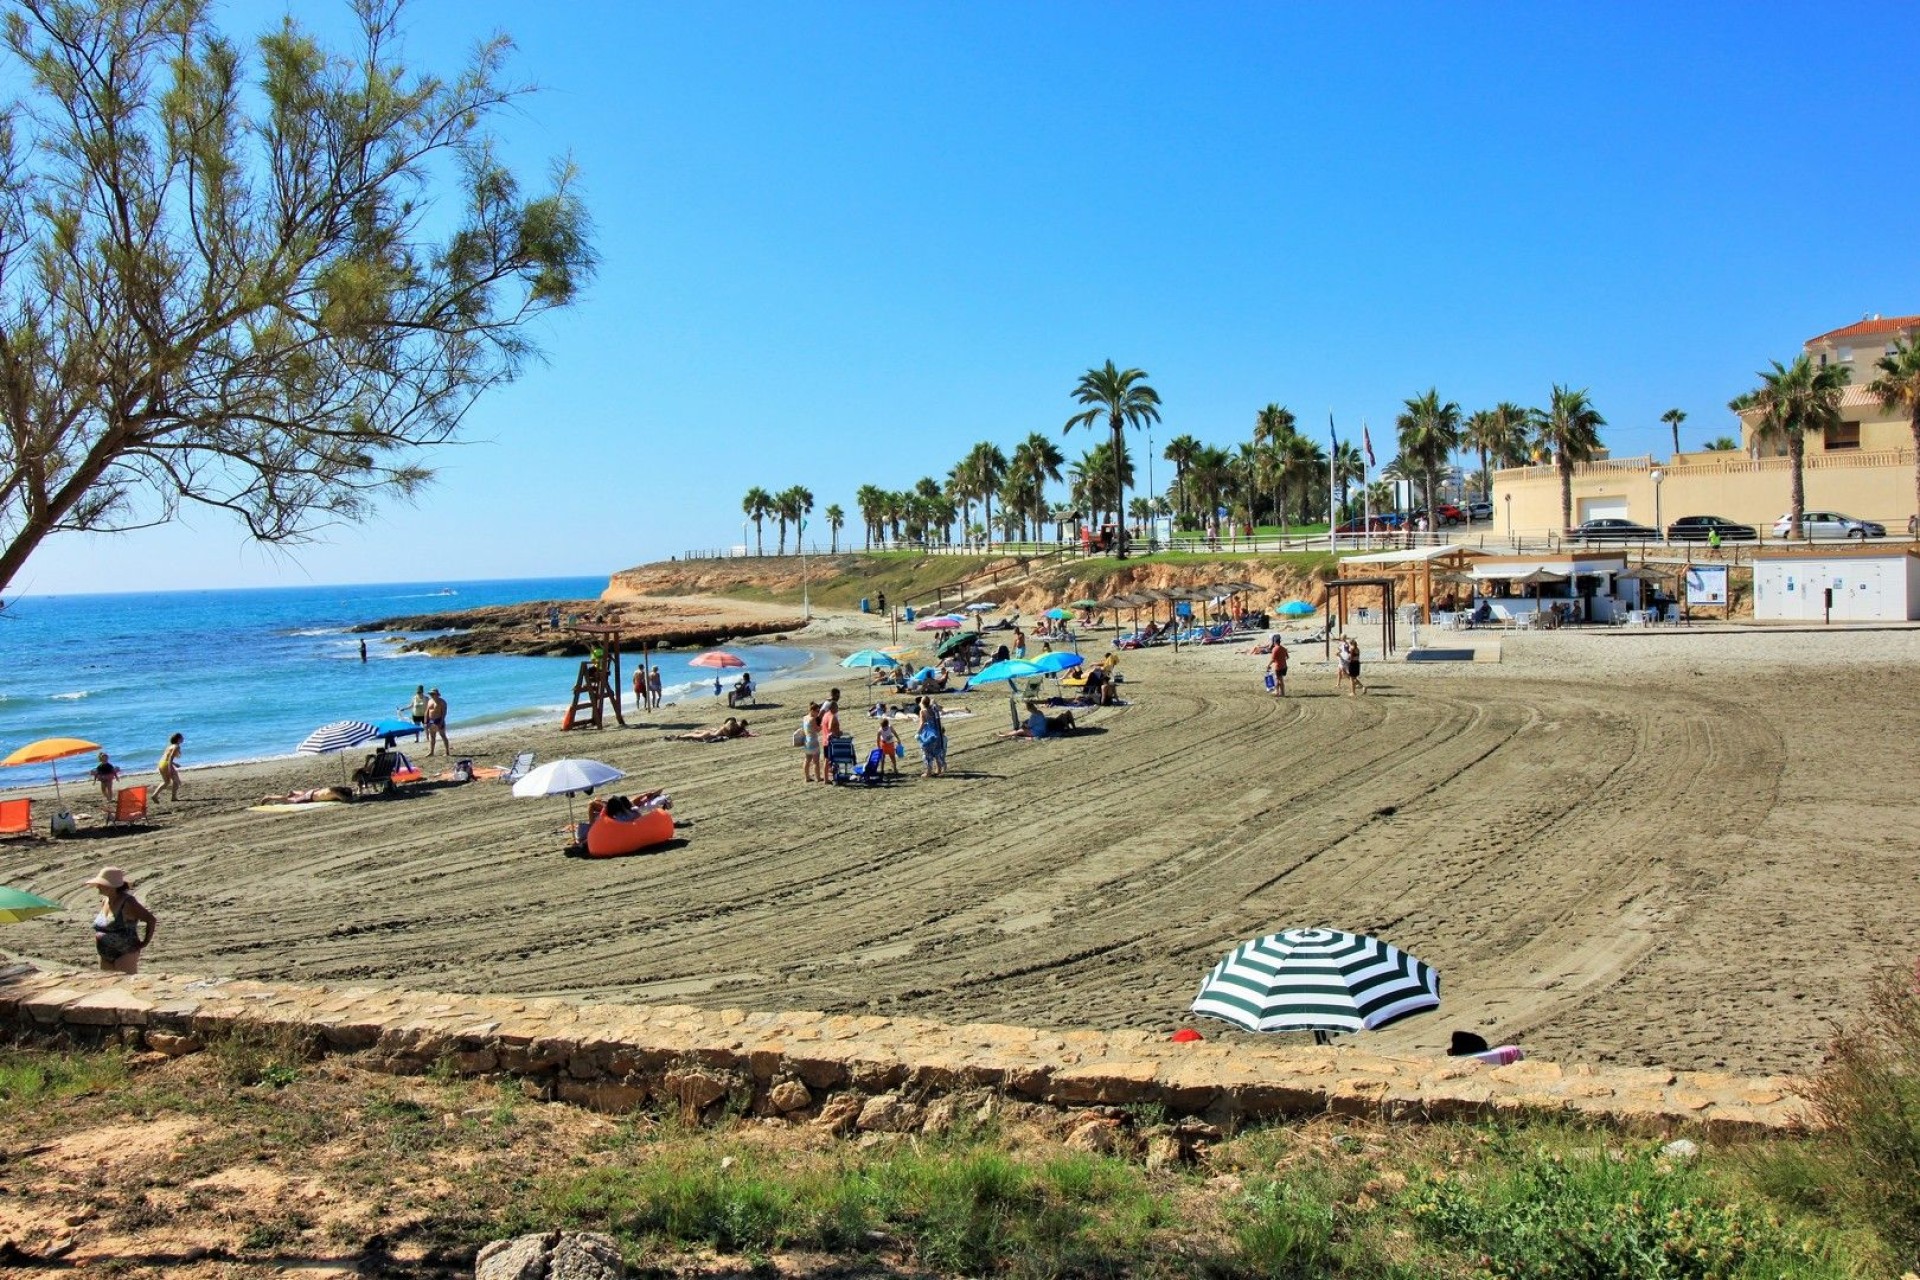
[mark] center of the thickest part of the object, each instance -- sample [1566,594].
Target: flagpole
[1366,482]
[1333,486]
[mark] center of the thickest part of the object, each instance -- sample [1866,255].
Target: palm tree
[1125,399]
[960,488]
[758,504]
[1273,424]
[1429,432]
[1898,387]
[871,499]
[986,468]
[1303,464]
[835,518]
[1180,452]
[1673,418]
[1570,426]
[1036,460]
[1793,400]
[1722,444]
[790,506]
[1499,435]
[1210,474]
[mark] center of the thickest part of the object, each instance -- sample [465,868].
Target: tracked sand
[1683,850]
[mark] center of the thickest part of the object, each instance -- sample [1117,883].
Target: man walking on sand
[1277,668]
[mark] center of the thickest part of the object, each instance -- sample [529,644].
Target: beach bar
[1580,586]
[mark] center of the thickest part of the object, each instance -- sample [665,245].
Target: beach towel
[295,808]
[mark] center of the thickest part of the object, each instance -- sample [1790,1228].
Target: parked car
[1478,511]
[1829,524]
[1361,525]
[1390,519]
[1611,530]
[1700,528]
[1450,514]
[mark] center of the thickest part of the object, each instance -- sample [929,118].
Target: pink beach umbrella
[937,624]
[718,660]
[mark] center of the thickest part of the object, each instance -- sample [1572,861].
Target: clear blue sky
[843,243]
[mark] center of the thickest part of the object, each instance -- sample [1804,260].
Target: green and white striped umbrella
[1319,980]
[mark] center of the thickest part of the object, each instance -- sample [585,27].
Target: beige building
[1864,467]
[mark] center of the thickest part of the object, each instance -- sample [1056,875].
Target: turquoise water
[247,674]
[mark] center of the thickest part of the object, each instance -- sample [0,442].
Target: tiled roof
[1870,329]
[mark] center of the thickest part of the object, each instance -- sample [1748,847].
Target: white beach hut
[1846,584]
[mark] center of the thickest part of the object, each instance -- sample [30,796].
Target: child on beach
[106,775]
[889,743]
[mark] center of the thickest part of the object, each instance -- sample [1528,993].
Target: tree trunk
[1914,423]
[1797,453]
[1119,490]
[1486,478]
[759,537]
[1565,467]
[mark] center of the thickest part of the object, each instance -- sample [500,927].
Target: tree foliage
[260,282]
[1793,400]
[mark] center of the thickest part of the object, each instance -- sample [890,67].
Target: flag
[1333,432]
[1366,438]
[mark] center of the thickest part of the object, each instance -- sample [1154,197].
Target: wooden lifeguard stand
[598,682]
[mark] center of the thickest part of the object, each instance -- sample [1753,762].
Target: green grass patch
[29,1078]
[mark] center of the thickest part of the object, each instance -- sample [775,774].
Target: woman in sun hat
[116,932]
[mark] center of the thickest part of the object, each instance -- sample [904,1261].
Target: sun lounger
[840,756]
[16,816]
[522,765]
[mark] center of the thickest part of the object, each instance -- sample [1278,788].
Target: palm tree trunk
[1564,465]
[1914,423]
[1797,453]
[1486,478]
[1119,490]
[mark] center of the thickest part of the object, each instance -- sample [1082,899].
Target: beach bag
[63,824]
[1270,682]
[463,771]
[799,737]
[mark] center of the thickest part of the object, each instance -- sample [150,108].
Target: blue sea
[246,675]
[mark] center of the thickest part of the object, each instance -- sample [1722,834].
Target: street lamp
[1509,519]
[1657,476]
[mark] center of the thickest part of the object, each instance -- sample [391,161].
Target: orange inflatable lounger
[611,837]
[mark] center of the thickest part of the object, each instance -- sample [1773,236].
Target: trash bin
[866,605]
[909,613]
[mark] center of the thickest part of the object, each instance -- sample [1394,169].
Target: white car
[1829,524]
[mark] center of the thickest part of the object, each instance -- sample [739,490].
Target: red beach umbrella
[719,660]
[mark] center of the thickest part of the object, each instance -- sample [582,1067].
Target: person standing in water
[170,768]
[417,709]
[363,651]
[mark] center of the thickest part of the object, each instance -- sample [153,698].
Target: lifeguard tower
[598,682]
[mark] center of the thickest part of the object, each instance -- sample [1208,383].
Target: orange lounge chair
[130,805]
[611,837]
[16,817]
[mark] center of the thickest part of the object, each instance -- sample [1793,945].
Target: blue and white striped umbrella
[1319,980]
[338,736]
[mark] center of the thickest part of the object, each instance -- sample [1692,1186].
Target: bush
[1599,1215]
[1868,1097]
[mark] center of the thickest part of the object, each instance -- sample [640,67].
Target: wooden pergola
[1337,609]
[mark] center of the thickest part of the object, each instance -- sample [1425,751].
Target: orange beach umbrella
[47,750]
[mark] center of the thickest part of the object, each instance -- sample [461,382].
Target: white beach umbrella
[1318,980]
[563,778]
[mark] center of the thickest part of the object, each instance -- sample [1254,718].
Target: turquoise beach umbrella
[869,658]
[1296,609]
[1010,670]
[1053,663]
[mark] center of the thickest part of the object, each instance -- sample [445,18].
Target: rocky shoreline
[525,629]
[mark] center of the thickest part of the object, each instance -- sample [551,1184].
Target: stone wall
[867,1071]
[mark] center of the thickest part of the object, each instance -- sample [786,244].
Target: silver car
[1829,524]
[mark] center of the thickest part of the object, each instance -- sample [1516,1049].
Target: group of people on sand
[646,687]
[1346,665]
[822,724]
[428,711]
[106,774]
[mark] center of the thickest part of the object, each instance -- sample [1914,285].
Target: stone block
[174,1046]
[109,1008]
[839,1114]
[789,1095]
[474,1062]
[818,1071]
[1100,1136]
[877,1075]
[351,1036]
[888,1113]
[1273,1099]
[695,1089]
[1104,1082]
[1528,1071]
[49,1006]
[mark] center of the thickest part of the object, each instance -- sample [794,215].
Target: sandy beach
[1675,849]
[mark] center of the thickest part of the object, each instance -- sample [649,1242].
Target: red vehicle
[1450,514]
[1378,524]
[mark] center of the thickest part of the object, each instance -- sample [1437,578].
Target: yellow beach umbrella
[47,750]
[17,905]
